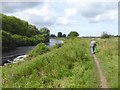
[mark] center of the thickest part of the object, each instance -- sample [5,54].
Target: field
[66,66]
[108,57]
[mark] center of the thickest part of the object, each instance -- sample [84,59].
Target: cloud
[70,12]
[67,19]
[22,0]
[44,15]
[95,11]
[11,7]
[110,15]
[62,21]
[47,13]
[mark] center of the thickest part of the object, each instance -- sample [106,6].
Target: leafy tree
[32,30]
[73,34]
[105,35]
[59,34]
[46,33]
[17,32]
[64,35]
[52,35]
[7,41]
[15,25]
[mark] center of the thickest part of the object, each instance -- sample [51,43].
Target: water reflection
[9,56]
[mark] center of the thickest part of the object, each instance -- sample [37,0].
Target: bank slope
[70,66]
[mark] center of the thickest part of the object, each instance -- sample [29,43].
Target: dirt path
[103,81]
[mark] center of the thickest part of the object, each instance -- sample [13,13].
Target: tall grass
[70,66]
[108,57]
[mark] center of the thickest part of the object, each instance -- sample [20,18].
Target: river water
[24,50]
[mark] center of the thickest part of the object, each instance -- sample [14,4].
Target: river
[9,56]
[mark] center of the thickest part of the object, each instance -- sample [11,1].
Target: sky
[87,17]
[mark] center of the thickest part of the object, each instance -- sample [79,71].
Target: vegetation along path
[67,65]
[103,81]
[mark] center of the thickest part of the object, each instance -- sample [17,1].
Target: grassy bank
[108,57]
[69,66]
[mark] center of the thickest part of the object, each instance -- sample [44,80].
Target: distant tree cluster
[58,35]
[105,35]
[71,34]
[17,32]
[52,35]
[61,35]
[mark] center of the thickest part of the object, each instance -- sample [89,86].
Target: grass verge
[108,57]
[70,66]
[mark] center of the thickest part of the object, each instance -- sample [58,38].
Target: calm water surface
[24,50]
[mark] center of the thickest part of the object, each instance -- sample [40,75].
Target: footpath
[103,81]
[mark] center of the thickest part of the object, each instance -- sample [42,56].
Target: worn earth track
[103,81]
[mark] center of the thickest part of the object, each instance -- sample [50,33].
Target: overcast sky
[87,17]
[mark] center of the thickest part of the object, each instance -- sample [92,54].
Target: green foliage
[59,34]
[64,35]
[14,25]
[7,41]
[38,50]
[105,35]
[32,30]
[52,35]
[108,57]
[58,45]
[17,32]
[73,34]
[46,33]
[23,40]
[70,66]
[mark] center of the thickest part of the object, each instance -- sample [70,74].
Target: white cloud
[40,16]
[95,11]
[62,21]
[67,19]
[71,12]
[85,1]
[111,15]
[11,7]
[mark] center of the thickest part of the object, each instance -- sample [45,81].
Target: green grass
[65,66]
[108,57]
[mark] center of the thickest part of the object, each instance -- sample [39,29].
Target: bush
[58,45]
[38,50]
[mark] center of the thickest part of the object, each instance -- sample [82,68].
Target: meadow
[68,65]
[107,53]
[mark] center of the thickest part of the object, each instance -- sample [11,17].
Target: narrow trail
[103,81]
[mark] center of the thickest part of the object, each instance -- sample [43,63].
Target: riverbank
[69,65]
[8,57]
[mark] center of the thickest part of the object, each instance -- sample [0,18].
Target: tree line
[17,32]
[71,34]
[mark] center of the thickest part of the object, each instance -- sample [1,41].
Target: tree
[17,32]
[73,34]
[105,35]
[7,41]
[32,30]
[59,34]
[46,33]
[52,35]
[15,25]
[64,35]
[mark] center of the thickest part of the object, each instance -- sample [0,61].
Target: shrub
[58,45]
[38,50]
